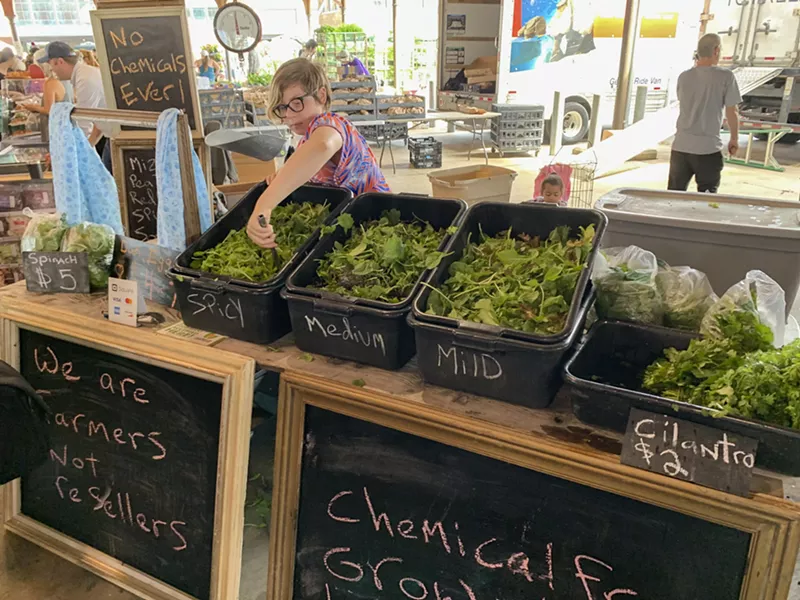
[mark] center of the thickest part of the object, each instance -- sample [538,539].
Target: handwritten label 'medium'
[347,332]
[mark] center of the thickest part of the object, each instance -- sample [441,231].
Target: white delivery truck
[761,43]
[571,46]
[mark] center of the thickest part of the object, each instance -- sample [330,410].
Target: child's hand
[260,230]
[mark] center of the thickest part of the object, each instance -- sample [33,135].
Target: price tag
[123,299]
[56,272]
[704,455]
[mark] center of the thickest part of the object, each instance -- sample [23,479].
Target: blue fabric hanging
[84,189]
[171,226]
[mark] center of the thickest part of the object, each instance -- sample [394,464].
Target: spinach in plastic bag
[98,242]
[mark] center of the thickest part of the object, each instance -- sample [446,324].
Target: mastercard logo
[128,301]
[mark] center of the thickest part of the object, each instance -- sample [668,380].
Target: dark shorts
[706,169]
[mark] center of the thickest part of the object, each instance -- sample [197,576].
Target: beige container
[474,184]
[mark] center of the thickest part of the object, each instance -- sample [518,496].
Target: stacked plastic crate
[225,106]
[520,128]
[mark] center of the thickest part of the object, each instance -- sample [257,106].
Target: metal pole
[394,45]
[640,106]
[556,124]
[594,122]
[629,33]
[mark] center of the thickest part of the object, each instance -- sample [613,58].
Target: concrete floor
[28,573]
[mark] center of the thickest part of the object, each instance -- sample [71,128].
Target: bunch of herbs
[239,257]
[382,259]
[520,282]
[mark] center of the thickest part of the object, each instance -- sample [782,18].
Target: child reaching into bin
[332,151]
[552,192]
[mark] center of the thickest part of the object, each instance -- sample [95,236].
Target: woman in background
[207,67]
[89,57]
[351,62]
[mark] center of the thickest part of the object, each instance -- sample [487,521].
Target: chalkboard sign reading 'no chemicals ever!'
[148,58]
[384,513]
[140,472]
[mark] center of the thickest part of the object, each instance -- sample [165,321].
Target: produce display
[625,281]
[98,242]
[734,369]
[239,257]
[382,259]
[44,233]
[522,283]
[687,295]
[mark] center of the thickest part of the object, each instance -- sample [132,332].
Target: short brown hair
[71,60]
[555,180]
[309,75]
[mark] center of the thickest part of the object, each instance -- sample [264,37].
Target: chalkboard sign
[141,200]
[388,514]
[56,272]
[683,450]
[134,164]
[146,264]
[148,61]
[133,461]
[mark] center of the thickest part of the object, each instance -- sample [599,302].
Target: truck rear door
[730,21]
[774,34]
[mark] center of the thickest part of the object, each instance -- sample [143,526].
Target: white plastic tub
[485,183]
[723,236]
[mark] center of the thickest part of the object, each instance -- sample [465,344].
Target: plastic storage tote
[517,372]
[365,331]
[492,218]
[474,184]
[253,312]
[723,236]
[603,377]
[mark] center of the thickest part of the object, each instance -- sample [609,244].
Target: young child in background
[332,151]
[552,192]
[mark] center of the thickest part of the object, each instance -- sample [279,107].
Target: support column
[629,33]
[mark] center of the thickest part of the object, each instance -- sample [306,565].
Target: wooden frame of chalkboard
[233,373]
[153,95]
[771,525]
[137,145]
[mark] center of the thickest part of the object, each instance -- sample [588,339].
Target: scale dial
[237,27]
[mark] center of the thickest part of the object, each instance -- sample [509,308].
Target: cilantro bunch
[239,257]
[519,282]
[382,259]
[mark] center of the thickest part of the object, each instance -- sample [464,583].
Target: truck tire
[576,124]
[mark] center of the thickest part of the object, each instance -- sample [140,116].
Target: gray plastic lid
[262,143]
[710,212]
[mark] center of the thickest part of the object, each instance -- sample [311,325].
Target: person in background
[351,62]
[331,152]
[704,91]
[87,87]
[54,90]
[552,192]
[309,50]
[207,67]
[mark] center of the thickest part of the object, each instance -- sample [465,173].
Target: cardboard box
[481,65]
[484,79]
[480,73]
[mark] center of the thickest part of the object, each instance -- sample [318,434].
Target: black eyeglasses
[295,105]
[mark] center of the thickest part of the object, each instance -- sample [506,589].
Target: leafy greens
[382,259]
[523,283]
[239,257]
[98,242]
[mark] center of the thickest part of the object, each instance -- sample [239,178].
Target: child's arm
[306,162]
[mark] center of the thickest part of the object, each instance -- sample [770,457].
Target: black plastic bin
[365,331]
[487,364]
[603,381]
[253,312]
[492,218]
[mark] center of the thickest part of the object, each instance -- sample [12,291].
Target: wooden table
[549,440]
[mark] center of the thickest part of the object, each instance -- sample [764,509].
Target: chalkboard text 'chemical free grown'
[133,461]
[386,514]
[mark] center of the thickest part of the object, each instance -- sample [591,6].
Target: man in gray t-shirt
[703,92]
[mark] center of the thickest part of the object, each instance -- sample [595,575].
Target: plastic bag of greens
[98,242]
[43,232]
[751,314]
[687,296]
[625,282]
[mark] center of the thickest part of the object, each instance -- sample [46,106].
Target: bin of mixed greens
[518,271]
[238,257]
[359,281]
[515,281]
